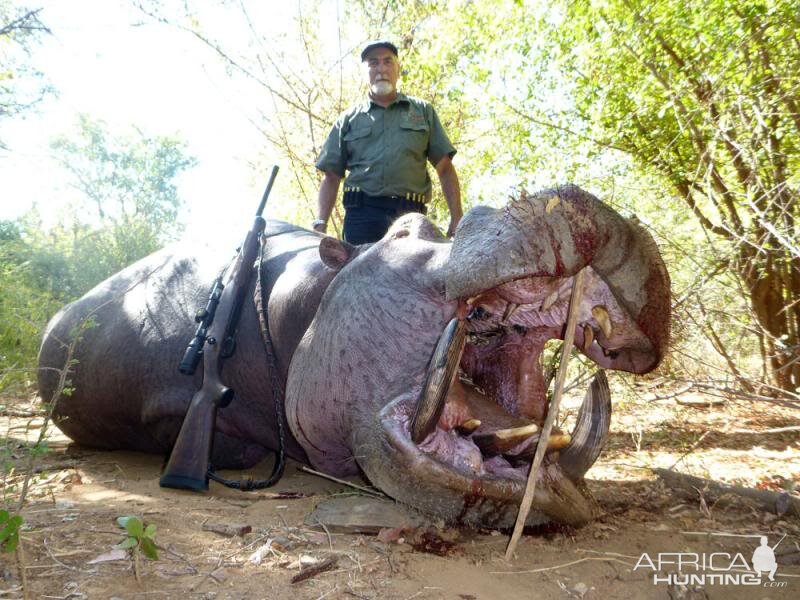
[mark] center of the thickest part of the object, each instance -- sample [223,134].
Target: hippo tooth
[556,441]
[588,336]
[549,301]
[503,440]
[511,308]
[468,426]
[603,319]
[441,370]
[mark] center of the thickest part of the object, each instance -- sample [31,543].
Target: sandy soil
[71,510]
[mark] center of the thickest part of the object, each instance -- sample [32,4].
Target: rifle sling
[260,299]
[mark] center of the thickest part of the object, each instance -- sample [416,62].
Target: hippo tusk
[588,336]
[438,379]
[591,430]
[511,308]
[502,440]
[549,301]
[557,440]
[468,426]
[600,314]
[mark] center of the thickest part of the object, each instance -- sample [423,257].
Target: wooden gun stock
[188,463]
[187,468]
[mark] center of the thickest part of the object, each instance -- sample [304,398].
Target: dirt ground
[77,495]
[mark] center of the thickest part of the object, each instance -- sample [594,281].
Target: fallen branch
[22,414]
[779,503]
[701,402]
[763,431]
[228,530]
[314,570]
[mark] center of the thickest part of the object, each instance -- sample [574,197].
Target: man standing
[384,143]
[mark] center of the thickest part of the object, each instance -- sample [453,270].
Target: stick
[541,447]
[375,493]
[313,570]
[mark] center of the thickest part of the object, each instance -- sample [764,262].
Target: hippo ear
[335,253]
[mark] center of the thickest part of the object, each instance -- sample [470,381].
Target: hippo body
[354,329]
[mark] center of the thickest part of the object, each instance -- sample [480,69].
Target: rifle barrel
[272,177]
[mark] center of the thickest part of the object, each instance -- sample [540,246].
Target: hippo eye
[402,233]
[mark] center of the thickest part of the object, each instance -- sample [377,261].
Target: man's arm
[452,191]
[328,190]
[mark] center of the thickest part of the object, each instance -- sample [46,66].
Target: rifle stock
[187,468]
[188,463]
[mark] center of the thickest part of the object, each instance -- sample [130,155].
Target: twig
[569,564]
[678,392]
[20,555]
[690,450]
[775,430]
[314,570]
[328,533]
[530,487]
[372,492]
[194,569]
[66,566]
[616,554]
[207,575]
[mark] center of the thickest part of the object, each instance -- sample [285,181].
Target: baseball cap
[378,44]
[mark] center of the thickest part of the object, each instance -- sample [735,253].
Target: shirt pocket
[357,141]
[414,135]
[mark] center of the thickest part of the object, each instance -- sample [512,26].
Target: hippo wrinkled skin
[354,329]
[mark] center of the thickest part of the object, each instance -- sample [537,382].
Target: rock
[359,514]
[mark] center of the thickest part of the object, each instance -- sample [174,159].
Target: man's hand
[319,225]
[451,231]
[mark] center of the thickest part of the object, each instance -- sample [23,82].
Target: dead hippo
[354,329]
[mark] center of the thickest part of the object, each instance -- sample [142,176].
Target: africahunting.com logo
[715,568]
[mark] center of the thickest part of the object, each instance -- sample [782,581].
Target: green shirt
[385,149]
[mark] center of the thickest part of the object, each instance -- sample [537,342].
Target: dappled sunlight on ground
[78,493]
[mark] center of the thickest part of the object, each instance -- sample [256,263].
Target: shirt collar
[368,103]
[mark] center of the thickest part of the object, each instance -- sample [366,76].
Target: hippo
[355,331]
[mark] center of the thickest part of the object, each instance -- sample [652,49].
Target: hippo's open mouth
[479,429]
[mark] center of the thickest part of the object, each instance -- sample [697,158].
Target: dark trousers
[366,224]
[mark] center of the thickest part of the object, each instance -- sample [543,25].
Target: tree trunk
[771,298]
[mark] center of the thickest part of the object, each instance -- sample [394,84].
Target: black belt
[353,199]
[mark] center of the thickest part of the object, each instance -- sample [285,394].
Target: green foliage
[140,537]
[702,95]
[9,531]
[126,209]
[127,183]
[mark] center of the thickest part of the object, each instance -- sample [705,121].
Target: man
[384,143]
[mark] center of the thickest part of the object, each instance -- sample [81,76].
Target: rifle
[188,465]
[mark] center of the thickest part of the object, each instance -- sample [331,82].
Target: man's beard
[382,88]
